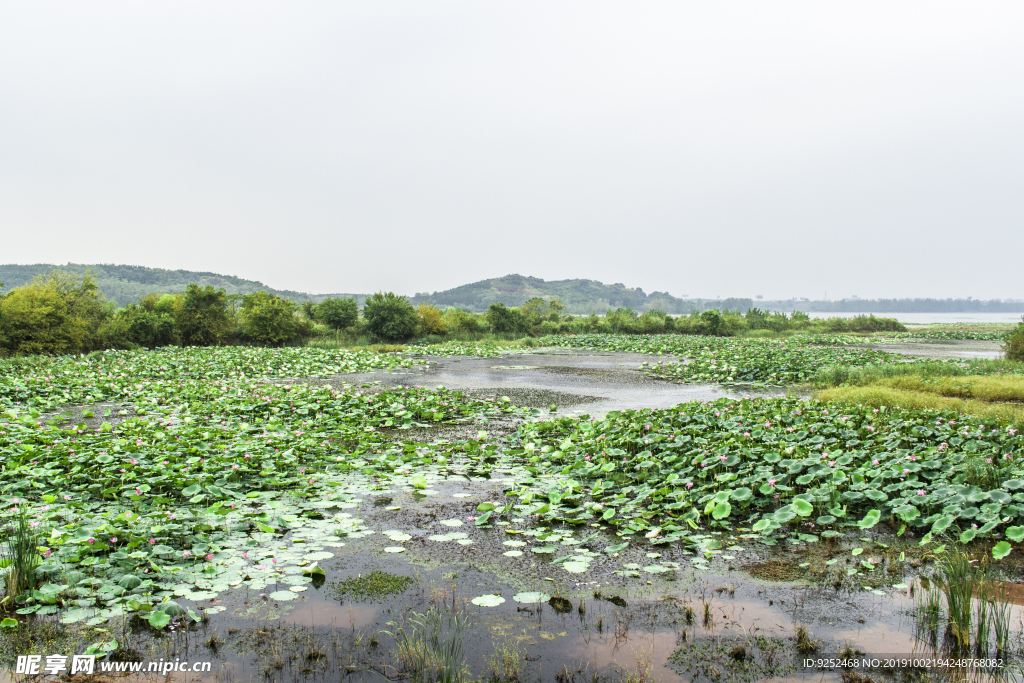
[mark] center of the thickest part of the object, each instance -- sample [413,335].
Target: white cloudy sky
[732,148]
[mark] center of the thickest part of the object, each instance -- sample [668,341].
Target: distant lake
[927,318]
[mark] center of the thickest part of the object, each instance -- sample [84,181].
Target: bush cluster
[1014,347]
[66,313]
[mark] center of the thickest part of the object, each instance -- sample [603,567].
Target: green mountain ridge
[578,296]
[123,284]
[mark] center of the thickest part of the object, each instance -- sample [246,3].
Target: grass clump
[505,663]
[877,396]
[805,644]
[430,647]
[21,559]
[374,586]
[991,388]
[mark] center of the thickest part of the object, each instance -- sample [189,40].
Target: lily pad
[489,600]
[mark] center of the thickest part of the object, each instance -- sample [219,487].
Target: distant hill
[126,284]
[578,296]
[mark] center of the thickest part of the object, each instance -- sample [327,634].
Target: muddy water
[576,381]
[951,348]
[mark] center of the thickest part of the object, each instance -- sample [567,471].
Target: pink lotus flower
[152,541]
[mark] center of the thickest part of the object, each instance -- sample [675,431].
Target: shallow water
[577,381]
[946,348]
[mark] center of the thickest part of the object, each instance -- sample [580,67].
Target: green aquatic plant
[21,558]
[374,586]
[775,465]
[211,473]
[430,646]
[958,580]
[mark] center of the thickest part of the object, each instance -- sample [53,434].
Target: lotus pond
[174,494]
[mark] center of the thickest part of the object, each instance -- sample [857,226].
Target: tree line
[67,313]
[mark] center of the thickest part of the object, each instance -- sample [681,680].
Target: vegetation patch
[735,659]
[879,396]
[776,570]
[371,587]
[774,466]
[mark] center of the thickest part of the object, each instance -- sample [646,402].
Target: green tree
[507,320]
[1014,347]
[711,322]
[201,319]
[59,313]
[337,314]
[390,317]
[269,319]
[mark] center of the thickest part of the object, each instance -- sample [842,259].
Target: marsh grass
[958,580]
[21,558]
[368,343]
[878,396]
[430,647]
[929,609]
[991,388]
[846,375]
[505,662]
[1000,615]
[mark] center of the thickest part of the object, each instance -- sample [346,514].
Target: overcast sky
[716,148]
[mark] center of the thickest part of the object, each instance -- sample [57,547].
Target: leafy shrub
[269,319]
[712,321]
[458,320]
[1014,346]
[431,319]
[504,319]
[338,314]
[60,313]
[202,317]
[390,317]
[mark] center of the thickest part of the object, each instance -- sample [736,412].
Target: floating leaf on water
[515,544]
[513,553]
[531,597]
[282,596]
[451,522]
[489,600]
[394,549]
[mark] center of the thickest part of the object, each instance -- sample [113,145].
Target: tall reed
[430,646]
[957,580]
[21,558]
